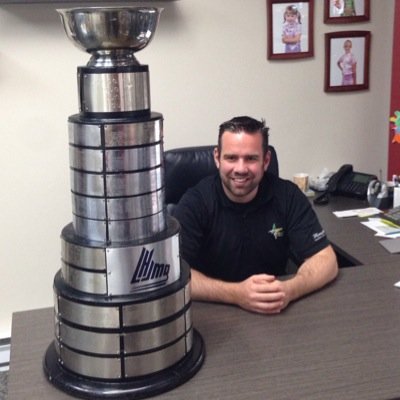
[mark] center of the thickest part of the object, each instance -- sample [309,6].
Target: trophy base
[137,388]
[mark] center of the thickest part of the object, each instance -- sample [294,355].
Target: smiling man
[240,226]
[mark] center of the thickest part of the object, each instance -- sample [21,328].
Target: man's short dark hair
[244,124]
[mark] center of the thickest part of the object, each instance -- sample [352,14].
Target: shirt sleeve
[306,235]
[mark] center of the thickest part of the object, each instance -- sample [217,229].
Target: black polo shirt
[232,241]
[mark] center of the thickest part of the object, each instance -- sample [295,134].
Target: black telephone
[346,182]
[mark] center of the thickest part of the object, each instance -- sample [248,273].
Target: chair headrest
[184,168]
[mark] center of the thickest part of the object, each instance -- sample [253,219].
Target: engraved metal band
[132,315]
[117,185]
[118,208]
[114,92]
[109,343]
[115,160]
[119,231]
[135,366]
[121,270]
[116,134]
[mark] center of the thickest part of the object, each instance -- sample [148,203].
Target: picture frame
[335,11]
[347,58]
[299,25]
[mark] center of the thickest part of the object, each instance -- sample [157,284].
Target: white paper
[382,228]
[359,212]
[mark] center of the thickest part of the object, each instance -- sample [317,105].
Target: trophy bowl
[94,29]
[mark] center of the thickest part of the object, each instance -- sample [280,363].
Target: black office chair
[185,167]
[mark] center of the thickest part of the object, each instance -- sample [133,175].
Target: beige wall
[207,64]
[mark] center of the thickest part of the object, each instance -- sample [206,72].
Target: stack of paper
[383,227]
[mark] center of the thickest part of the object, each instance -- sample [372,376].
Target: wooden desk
[340,343]
[353,239]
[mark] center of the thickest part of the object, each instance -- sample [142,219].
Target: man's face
[241,164]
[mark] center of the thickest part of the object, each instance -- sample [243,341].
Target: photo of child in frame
[346,10]
[347,61]
[290,27]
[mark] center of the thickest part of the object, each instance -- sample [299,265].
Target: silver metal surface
[136,229]
[156,361]
[89,341]
[151,311]
[108,343]
[188,319]
[115,160]
[114,92]
[149,339]
[136,365]
[188,294]
[119,231]
[92,207]
[121,270]
[90,366]
[143,268]
[118,208]
[94,29]
[134,134]
[88,315]
[117,134]
[55,301]
[133,315]
[90,229]
[84,134]
[189,340]
[82,256]
[84,281]
[117,185]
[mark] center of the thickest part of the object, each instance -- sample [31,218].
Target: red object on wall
[394,148]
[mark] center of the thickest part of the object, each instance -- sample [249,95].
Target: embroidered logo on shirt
[319,236]
[276,232]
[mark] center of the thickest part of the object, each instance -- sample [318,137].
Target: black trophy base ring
[136,388]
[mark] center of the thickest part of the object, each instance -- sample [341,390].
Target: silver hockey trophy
[123,326]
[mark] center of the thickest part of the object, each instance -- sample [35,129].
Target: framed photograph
[346,11]
[290,29]
[347,61]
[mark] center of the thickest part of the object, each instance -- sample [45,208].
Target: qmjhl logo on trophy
[156,274]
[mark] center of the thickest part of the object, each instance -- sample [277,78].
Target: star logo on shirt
[276,232]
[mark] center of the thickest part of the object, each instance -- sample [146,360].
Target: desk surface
[340,343]
[350,235]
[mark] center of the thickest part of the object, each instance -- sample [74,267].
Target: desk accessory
[379,195]
[123,325]
[396,196]
[346,182]
[301,180]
